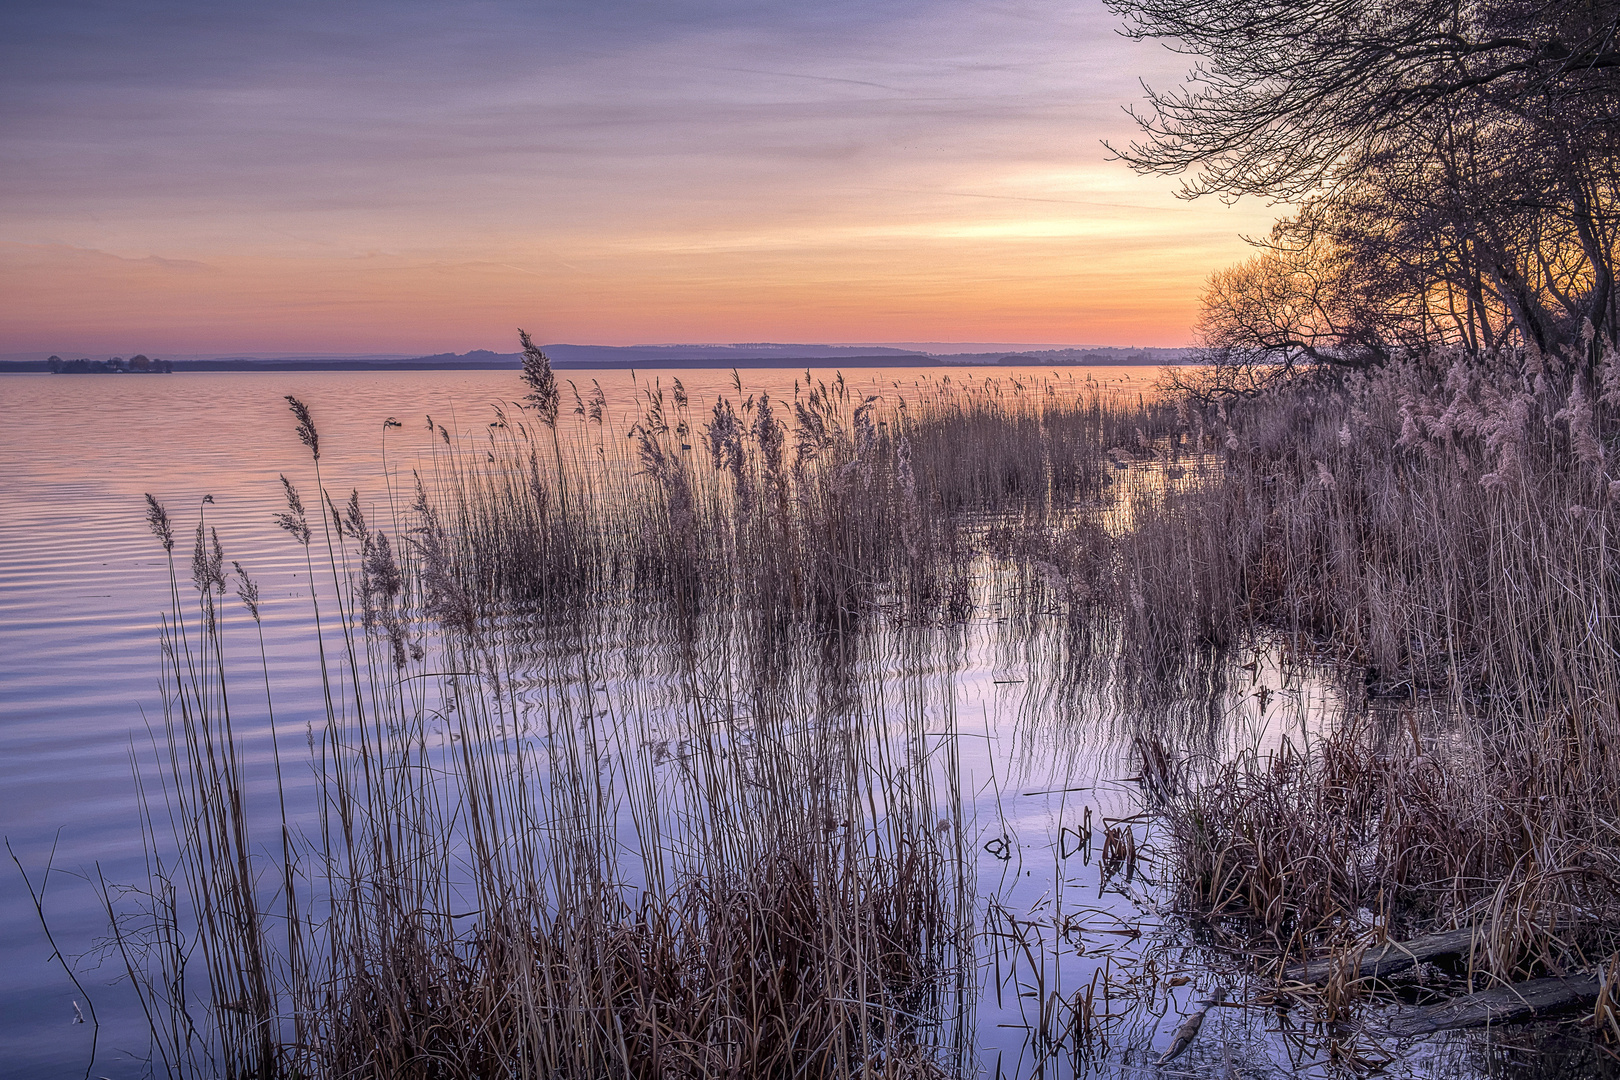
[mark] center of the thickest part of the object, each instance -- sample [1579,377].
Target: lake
[1043,763]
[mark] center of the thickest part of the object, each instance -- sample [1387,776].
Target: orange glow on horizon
[1130,279]
[927,173]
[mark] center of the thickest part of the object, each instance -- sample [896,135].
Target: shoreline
[180,367]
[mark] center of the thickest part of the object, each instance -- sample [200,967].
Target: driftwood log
[1500,1004]
[1388,958]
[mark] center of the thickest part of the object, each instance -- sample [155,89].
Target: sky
[388,176]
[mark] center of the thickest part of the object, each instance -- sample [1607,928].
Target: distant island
[646,357]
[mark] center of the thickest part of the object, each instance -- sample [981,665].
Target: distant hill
[654,357]
[757,354]
[1103,356]
[657,357]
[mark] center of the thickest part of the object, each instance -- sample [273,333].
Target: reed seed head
[247,590]
[543,395]
[208,561]
[306,426]
[157,519]
[294,519]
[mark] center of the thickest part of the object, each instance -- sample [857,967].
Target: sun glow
[931,175]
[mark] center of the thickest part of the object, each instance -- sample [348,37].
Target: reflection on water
[1033,736]
[1026,744]
[83,586]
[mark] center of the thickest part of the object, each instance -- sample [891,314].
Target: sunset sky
[396,177]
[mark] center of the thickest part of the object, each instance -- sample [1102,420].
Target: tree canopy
[1452,167]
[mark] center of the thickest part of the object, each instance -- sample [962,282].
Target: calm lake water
[83,584]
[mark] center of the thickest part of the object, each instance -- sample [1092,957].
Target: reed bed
[459,906]
[515,857]
[511,856]
[821,509]
[1445,531]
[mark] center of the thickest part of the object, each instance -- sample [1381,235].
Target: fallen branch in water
[1500,1004]
[1389,958]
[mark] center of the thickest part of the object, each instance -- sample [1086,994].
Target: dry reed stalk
[459,904]
[461,909]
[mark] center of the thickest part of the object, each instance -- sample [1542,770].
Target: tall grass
[817,509]
[603,786]
[1447,530]
[599,783]
[460,906]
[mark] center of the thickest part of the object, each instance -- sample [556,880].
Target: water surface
[83,586]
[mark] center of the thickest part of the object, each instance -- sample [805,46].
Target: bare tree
[1453,164]
[1284,92]
[1289,303]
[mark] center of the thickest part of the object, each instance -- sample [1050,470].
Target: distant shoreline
[491,362]
[179,366]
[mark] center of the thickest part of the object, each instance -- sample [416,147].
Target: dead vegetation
[1447,533]
[515,857]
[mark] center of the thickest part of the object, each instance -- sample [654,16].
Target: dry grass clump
[499,866]
[820,509]
[762,973]
[1350,841]
[1298,841]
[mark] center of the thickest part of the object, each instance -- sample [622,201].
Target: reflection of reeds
[1450,533]
[537,891]
[517,857]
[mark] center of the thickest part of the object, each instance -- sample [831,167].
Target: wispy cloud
[641,158]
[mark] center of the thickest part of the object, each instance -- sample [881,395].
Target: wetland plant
[513,856]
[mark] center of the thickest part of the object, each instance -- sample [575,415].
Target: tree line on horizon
[140,363]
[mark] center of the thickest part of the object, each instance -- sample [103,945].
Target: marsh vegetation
[610,779]
[633,756]
[635,750]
